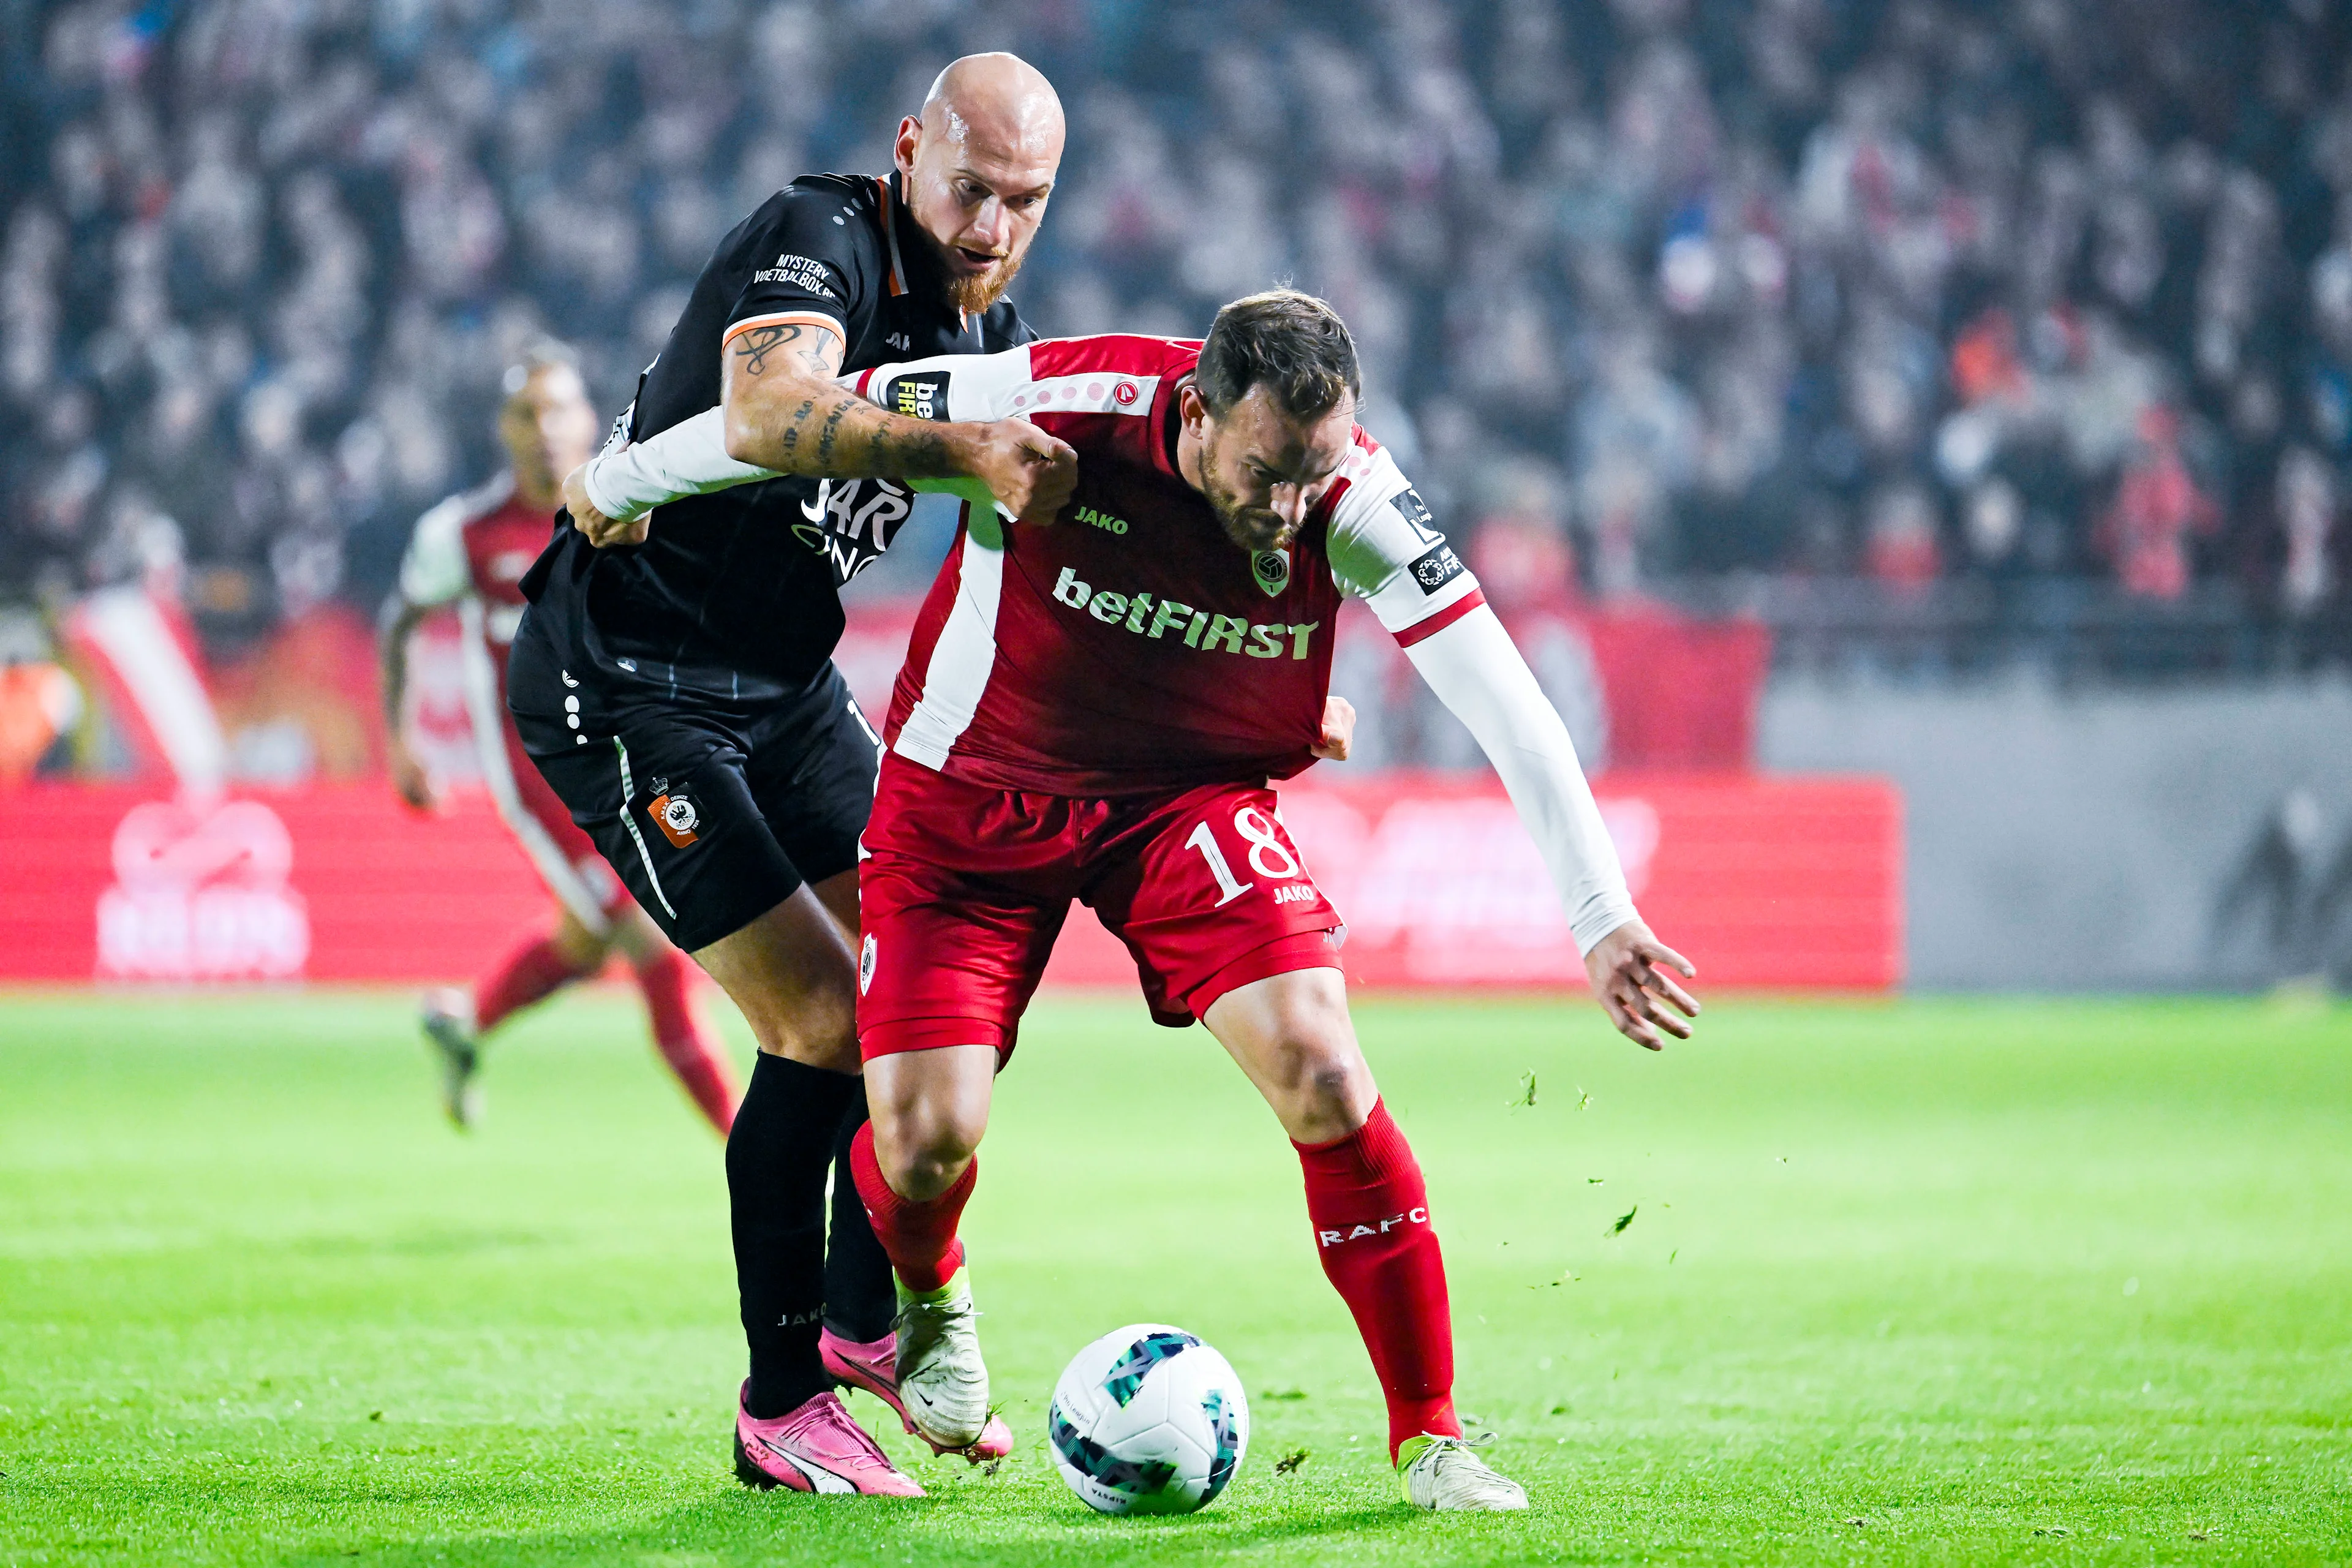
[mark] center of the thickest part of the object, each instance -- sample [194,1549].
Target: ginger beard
[973,292]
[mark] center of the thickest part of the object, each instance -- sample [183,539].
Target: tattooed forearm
[921,455]
[826,436]
[791,439]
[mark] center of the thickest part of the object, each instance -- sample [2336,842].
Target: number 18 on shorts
[966,886]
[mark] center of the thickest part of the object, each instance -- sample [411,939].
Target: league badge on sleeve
[1272,570]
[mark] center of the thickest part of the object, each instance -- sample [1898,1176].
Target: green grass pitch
[1936,1281]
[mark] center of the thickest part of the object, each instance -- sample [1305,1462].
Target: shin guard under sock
[777,1154]
[859,1303]
[685,1038]
[920,1238]
[1370,1210]
[530,973]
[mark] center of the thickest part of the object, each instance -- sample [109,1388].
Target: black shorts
[712,811]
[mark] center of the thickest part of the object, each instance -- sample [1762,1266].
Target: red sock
[685,1038]
[1371,1211]
[527,974]
[920,1237]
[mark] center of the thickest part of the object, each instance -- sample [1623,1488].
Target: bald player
[673,682]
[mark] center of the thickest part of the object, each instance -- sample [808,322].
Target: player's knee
[818,1025]
[923,1152]
[1330,1086]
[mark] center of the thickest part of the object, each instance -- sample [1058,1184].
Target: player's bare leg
[1291,1035]
[688,1044]
[859,1343]
[915,1165]
[791,973]
[456,1021]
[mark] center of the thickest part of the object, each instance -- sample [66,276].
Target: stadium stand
[1937,334]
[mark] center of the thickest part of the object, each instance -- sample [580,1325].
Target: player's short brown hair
[1290,343]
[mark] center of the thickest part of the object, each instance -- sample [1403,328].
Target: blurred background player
[470,551]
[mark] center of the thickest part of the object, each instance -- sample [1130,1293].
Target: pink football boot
[816,1448]
[874,1367]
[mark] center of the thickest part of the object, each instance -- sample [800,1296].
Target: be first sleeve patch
[917,396]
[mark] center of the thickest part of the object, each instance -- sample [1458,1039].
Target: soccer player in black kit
[673,680]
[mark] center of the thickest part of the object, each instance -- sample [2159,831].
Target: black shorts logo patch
[1437,568]
[923,396]
[675,816]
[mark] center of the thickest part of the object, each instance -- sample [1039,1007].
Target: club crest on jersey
[1272,570]
[674,814]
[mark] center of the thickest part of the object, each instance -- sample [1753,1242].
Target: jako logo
[1102,519]
[1202,630]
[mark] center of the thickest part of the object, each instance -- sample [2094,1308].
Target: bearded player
[471,550]
[1095,710]
[674,683]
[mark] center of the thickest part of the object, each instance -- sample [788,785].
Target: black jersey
[737,592]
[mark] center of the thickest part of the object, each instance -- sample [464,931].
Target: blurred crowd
[1647,290]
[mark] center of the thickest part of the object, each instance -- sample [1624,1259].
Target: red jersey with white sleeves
[1131,647]
[473,550]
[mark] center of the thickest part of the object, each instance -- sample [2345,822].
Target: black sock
[776,1159]
[859,1298]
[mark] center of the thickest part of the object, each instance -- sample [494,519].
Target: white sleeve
[1477,673]
[433,570]
[689,458]
[967,388]
[1386,550]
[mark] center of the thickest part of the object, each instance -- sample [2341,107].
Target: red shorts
[964,889]
[566,859]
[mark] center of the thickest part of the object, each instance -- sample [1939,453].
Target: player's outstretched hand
[412,780]
[1628,970]
[601,531]
[1032,473]
[1339,730]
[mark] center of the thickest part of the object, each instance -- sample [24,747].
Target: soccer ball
[1147,1420]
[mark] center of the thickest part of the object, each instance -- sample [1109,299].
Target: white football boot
[447,1017]
[941,1374]
[1445,1473]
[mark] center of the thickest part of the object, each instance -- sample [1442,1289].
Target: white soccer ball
[1147,1420]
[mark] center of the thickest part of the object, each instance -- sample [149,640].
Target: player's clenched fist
[1628,970]
[1032,473]
[602,532]
[1339,730]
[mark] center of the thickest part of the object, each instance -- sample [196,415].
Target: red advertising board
[1792,882]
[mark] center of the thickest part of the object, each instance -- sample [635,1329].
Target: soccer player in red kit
[1095,710]
[471,550]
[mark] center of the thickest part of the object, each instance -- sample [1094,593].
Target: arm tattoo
[825,436]
[921,455]
[798,417]
[754,346]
